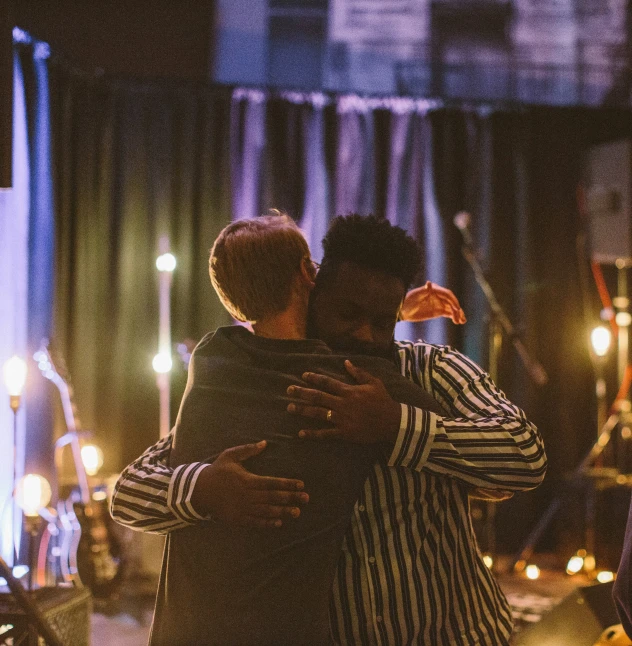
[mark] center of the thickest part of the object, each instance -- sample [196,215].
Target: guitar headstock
[45,362]
[54,369]
[51,364]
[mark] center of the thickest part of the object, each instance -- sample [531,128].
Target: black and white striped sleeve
[152,497]
[486,441]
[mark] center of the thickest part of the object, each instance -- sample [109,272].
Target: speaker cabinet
[608,186]
[578,620]
[66,610]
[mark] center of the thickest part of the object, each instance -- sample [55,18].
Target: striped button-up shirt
[410,571]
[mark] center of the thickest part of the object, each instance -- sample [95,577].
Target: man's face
[357,310]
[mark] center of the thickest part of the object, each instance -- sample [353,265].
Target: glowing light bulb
[92,458]
[20,570]
[623,319]
[162,362]
[574,565]
[600,339]
[532,572]
[32,492]
[589,563]
[605,576]
[14,370]
[166,262]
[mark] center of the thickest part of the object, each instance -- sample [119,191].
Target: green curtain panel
[132,163]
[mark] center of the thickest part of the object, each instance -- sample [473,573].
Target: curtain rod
[355,102]
[344,102]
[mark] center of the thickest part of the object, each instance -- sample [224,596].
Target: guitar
[89,551]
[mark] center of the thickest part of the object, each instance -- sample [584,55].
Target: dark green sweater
[237,586]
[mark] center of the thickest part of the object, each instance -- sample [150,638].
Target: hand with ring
[363,412]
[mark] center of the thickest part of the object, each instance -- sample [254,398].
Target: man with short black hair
[410,571]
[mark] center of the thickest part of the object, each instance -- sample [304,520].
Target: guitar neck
[72,438]
[72,424]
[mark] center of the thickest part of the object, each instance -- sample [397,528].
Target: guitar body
[82,546]
[100,558]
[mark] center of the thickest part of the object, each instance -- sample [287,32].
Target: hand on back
[227,492]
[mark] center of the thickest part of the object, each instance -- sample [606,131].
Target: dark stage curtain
[133,162]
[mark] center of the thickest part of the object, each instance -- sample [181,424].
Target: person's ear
[308,271]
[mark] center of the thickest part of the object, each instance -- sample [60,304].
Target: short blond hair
[253,264]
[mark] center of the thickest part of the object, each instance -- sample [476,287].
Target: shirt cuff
[181,489]
[414,440]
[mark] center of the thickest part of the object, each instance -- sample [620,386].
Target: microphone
[462,223]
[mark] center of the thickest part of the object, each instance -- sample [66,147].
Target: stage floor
[530,600]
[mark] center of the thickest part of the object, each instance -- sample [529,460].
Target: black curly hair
[372,242]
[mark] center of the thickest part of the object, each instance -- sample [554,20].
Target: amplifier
[67,611]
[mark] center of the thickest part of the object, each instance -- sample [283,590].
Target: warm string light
[575,564]
[166,262]
[18,572]
[532,572]
[32,493]
[600,339]
[92,458]
[14,371]
[589,563]
[162,363]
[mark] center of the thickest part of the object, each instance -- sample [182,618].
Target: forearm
[152,497]
[483,439]
[491,452]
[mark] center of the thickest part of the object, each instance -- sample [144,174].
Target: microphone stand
[499,323]
[501,320]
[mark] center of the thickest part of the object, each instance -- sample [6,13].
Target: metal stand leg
[581,471]
[623,319]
